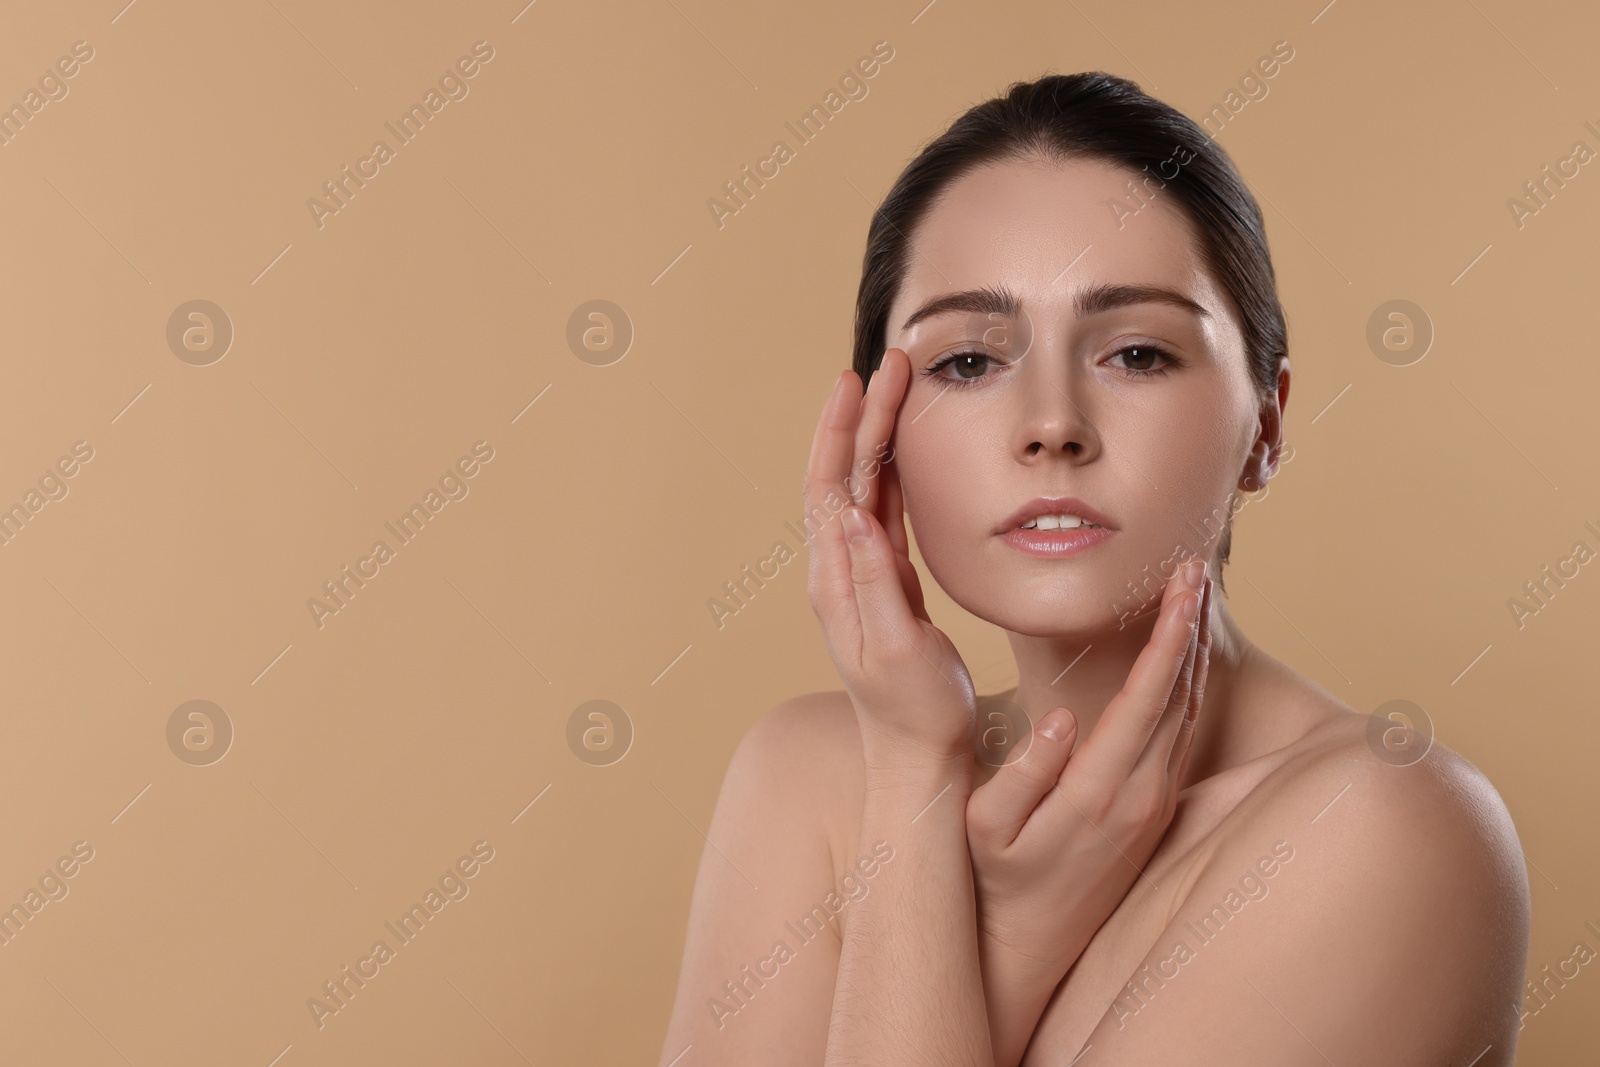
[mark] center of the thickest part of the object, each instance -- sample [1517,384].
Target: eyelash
[1136,372]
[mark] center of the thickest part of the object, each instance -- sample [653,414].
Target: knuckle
[1094,803]
[1149,807]
[1145,804]
[1024,772]
[1030,770]
[824,601]
[866,569]
[982,824]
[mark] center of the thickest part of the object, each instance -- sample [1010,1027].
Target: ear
[1266,450]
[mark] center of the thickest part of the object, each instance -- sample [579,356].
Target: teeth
[1056,522]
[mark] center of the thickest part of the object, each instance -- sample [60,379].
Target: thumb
[1001,806]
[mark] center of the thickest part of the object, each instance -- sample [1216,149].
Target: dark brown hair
[1089,115]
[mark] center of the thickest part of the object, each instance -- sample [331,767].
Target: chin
[1033,606]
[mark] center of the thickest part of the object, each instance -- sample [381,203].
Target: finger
[1000,807]
[891,513]
[1184,744]
[911,586]
[1172,590]
[876,425]
[891,508]
[832,593]
[886,618]
[1124,729]
[1157,755]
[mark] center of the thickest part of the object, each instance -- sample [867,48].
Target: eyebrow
[1090,300]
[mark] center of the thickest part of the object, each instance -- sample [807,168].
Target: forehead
[1021,224]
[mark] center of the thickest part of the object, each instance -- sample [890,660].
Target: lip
[1054,544]
[1054,505]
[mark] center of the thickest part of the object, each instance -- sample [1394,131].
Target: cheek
[1190,458]
[937,464]
[1195,470]
[948,476]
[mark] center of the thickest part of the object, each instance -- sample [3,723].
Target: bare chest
[1115,955]
[1102,974]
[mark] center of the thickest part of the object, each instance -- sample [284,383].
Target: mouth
[1053,527]
[1049,513]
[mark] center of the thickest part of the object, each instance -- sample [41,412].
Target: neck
[1085,674]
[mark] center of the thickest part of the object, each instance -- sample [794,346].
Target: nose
[1055,422]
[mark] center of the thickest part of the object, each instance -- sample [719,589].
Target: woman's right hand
[913,696]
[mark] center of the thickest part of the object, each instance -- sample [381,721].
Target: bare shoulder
[812,745]
[1364,901]
[811,741]
[1394,803]
[762,946]
[823,720]
[1375,789]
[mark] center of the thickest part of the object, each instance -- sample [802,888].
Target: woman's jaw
[1084,673]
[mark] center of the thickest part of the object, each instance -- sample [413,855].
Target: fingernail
[1053,725]
[1193,571]
[1191,605]
[856,527]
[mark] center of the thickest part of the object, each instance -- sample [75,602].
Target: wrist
[925,791]
[1024,959]
[890,757]
[950,779]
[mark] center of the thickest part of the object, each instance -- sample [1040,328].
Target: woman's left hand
[1058,837]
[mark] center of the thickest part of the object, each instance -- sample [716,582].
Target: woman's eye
[967,367]
[1137,360]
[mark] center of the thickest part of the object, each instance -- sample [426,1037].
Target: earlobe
[1255,477]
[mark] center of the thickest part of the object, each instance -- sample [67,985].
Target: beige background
[432,310]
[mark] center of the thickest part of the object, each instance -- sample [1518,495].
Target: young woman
[1073,360]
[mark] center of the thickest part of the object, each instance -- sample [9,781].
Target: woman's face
[1051,400]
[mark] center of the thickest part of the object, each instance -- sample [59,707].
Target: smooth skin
[1276,894]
